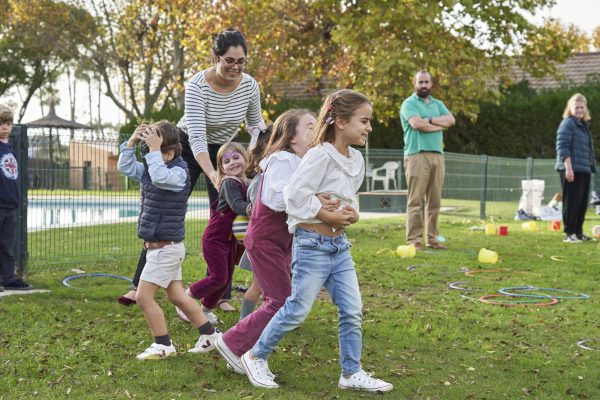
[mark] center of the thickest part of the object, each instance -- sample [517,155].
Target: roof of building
[51,120]
[577,70]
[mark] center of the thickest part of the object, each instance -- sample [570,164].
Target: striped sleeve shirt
[212,117]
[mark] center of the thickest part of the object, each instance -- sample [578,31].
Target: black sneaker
[572,239]
[17,284]
[585,238]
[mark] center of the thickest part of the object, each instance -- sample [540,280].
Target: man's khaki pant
[425,178]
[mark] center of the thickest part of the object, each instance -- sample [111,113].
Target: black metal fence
[18,139]
[77,208]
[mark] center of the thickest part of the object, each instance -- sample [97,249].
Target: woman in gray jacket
[575,163]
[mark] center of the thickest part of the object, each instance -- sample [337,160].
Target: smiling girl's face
[233,164]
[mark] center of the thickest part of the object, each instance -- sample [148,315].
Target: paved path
[19,292]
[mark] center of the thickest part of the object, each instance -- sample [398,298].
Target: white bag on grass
[532,196]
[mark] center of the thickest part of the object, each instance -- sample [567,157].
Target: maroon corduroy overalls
[219,249]
[269,246]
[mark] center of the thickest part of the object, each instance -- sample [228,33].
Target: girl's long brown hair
[284,130]
[339,104]
[256,154]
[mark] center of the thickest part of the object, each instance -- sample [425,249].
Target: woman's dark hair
[226,39]
[256,154]
[339,104]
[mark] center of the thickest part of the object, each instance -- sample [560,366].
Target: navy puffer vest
[162,212]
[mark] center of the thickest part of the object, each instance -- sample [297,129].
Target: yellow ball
[239,227]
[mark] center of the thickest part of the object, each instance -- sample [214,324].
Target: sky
[585,14]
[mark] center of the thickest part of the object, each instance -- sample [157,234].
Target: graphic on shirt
[8,165]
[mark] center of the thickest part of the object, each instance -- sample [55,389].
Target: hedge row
[523,125]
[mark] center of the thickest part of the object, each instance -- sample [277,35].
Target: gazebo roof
[53,121]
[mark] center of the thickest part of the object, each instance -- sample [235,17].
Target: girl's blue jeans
[319,261]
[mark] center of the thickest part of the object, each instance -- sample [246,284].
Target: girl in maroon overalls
[268,242]
[219,247]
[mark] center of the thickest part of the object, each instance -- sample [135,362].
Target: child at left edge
[9,202]
[165,183]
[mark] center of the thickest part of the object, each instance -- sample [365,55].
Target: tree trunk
[179,73]
[90,100]
[99,106]
[36,82]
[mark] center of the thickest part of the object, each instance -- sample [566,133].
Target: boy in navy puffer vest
[165,184]
[9,201]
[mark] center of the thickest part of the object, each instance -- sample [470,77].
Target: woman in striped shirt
[217,100]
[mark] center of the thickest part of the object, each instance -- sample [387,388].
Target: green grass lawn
[425,338]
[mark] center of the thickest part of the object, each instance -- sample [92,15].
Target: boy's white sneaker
[363,381]
[156,352]
[258,372]
[206,343]
[233,361]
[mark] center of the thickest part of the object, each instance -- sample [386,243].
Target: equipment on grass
[70,278]
[508,291]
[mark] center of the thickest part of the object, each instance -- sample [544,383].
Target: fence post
[529,168]
[482,200]
[400,174]
[21,145]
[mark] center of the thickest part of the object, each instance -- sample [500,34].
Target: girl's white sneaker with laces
[364,381]
[258,372]
[233,361]
[156,352]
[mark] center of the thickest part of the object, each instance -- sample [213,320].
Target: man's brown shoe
[418,246]
[436,246]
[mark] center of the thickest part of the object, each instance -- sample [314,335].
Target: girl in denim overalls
[320,250]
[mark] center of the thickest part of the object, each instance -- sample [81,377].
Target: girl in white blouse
[320,249]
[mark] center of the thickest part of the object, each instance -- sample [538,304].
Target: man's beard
[423,92]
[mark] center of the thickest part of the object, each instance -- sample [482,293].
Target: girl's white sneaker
[364,381]
[258,372]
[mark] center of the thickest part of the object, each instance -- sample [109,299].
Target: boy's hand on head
[152,138]
[327,202]
[136,135]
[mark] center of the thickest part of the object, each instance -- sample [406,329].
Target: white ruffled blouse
[322,170]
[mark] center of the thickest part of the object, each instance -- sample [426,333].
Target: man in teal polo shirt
[423,120]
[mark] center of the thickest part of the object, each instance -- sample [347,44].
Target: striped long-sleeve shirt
[212,117]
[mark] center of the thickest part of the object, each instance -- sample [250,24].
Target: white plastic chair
[385,174]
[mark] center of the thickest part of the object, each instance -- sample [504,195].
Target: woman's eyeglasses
[230,62]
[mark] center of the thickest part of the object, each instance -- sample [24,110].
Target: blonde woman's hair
[576,98]
[230,146]
[339,104]
[6,114]
[284,130]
